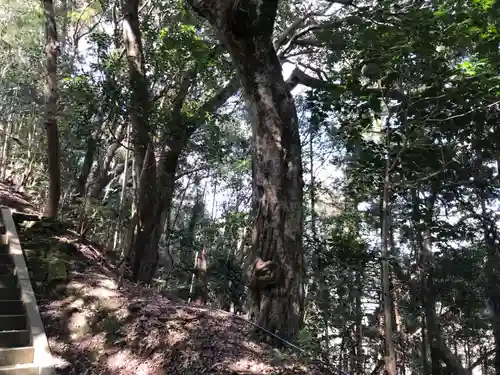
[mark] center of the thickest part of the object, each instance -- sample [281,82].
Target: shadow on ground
[96,326]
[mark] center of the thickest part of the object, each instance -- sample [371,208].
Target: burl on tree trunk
[245,27]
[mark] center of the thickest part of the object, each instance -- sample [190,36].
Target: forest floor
[97,326]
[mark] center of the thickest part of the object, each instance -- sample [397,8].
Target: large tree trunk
[146,243]
[246,27]
[50,121]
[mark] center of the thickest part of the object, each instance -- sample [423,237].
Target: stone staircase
[23,344]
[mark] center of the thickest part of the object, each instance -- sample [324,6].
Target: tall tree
[390,353]
[246,28]
[146,254]
[50,120]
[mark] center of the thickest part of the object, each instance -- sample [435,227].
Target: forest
[310,166]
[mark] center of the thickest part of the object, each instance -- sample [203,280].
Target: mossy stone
[57,270]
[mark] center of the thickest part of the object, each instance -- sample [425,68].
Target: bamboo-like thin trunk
[193,277]
[5,149]
[128,241]
[123,192]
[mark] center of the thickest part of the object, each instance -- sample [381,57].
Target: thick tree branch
[280,40]
[179,99]
[299,77]
[179,175]
[308,43]
[105,179]
[341,2]
[187,79]
[222,96]
[215,102]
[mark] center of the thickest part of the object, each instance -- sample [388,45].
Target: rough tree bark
[246,27]
[50,120]
[146,254]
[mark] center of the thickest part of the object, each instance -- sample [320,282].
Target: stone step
[6,259]
[28,369]
[10,294]
[10,322]
[9,281]
[7,269]
[14,339]
[16,356]
[12,308]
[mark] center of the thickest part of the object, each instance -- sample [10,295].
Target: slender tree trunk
[87,164]
[50,121]
[116,236]
[358,370]
[5,149]
[428,295]
[492,266]
[417,246]
[129,238]
[341,350]
[188,241]
[425,350]
[101,175]
[433,331]
[172,221]
[319,286]
[439,350]
[494,300]
[65,24]
[25,177]
[390,353]
[246,28]
[200,292]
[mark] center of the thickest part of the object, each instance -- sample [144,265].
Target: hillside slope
[96,326]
